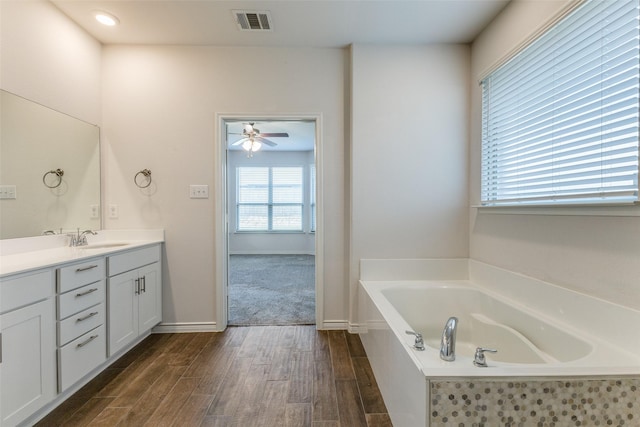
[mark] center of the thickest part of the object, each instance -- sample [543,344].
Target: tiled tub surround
[532,402]
[593,381]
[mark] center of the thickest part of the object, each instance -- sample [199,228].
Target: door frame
[221,211]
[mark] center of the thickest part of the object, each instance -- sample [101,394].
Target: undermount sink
[104,245]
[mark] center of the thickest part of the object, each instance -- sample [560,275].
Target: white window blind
[269,199]
[560,119]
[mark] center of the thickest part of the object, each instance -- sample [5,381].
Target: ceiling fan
[252,139]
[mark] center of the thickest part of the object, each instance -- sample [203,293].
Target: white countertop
[22,255]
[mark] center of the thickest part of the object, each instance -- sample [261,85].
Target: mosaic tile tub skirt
[535,403]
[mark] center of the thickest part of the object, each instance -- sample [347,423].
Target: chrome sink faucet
[80,238]
[448,341]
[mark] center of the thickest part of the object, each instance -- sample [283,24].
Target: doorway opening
[271,202]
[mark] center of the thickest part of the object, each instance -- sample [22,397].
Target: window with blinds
[560,119]
[269,199]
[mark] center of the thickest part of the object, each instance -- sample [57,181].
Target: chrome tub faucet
[448,341]
[419,342]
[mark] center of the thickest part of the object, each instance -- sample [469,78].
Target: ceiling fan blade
[240,141]
[275,135]
[266,141]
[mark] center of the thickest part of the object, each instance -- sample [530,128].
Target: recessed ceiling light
[106,18]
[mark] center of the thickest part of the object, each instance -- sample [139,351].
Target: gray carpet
[272,290]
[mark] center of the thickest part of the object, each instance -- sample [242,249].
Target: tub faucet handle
[479,360]
[419,343]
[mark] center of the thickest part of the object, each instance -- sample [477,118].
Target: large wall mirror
[49,170]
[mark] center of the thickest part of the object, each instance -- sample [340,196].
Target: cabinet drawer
[80,274]
[133,259]
[25,289]
[81,356]
[80,299]
[74,326]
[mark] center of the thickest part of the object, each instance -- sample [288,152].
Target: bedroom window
[561,118]
[269,199]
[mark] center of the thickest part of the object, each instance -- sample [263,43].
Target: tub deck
[528,343]
[556,347]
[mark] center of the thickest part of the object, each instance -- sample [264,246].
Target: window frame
[626,208]
[270,204]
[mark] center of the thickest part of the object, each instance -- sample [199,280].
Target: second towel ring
[146,173]
[58,173]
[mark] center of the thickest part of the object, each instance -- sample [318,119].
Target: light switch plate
[7,191]
[198,191]
[113,211]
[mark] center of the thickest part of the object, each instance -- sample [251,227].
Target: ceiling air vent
[253,20]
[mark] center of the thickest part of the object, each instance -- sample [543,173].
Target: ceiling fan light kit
[252,138]
[251,145]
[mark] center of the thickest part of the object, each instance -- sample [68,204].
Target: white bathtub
[529,343]
[542,332]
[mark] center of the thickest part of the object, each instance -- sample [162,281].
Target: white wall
[270,243]
[597,255]
[159,113]
[48,59]
[409,153]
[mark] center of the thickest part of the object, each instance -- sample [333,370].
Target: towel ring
[58,173]
[146,173]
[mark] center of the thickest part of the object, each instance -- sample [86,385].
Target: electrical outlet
[7,191]
[199,191]
[94,211]
[113,211]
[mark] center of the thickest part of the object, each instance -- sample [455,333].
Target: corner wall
[409,154]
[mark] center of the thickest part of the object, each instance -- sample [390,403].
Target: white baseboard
[173,328]
[334,325]
[356,328]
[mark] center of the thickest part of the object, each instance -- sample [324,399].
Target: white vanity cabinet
[134,295]
[82,340]
[27,316]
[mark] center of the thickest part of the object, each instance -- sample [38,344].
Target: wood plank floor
[245,376]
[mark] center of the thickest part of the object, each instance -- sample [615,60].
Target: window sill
[575,210]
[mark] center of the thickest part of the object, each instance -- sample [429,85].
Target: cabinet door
[123,310]
[150,297]
[28,374]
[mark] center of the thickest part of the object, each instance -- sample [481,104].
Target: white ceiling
[296,23]
[309,23]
